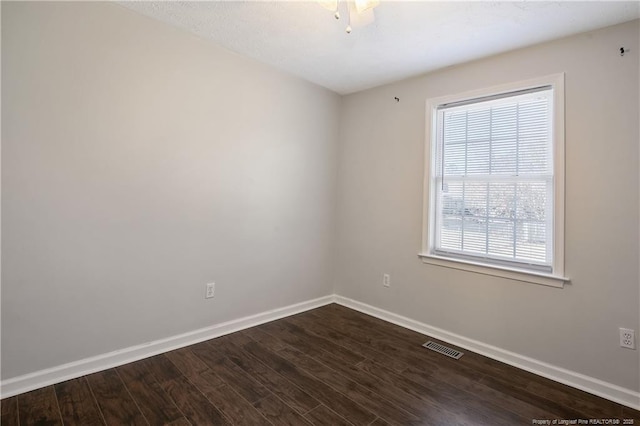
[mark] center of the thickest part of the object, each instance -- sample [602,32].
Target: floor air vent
[443,350]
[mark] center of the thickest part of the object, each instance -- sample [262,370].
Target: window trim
[556,278]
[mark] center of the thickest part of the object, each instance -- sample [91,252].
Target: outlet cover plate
[386,280]
[627,338]
[211,289]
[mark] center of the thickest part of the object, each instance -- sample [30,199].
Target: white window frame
[554,279]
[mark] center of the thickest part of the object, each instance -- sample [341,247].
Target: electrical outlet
[627,338]
[386,280]
[211,288]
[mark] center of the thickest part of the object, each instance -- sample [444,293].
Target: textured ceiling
[406,39]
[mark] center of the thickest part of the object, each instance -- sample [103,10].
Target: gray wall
[140,162]
[380,210]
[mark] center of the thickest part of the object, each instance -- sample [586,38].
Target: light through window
[493,179]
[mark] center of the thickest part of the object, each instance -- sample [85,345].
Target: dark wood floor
[330,366]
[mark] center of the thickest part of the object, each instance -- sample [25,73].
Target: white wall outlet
[211,288]
[627,338]
[386,280]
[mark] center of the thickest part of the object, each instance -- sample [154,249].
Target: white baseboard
[594,386]
[94,364]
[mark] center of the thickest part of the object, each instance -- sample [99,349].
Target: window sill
[496,271]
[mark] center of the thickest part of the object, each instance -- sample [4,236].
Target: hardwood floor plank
[379,422]
[516,376]
[206,382]
[39,407]
[292,395]
[484,393]
[192,403]
[9,410]
[180,422]
[115,403]
[155,404]
[235,408]
[77,404]
[279,413]
[316,388]
[583,402]
[422,364]
[560,411]
[630,413]
[308,343]
[187,362]
[409,353]
[409,340]
[401,391]
[237,339]
[464,404]
[381,329]
[426,409]
[194,369]
[161,368]
[207,353]
[231,374]
[363,396]
[322,416]
[265,339]
[314,324]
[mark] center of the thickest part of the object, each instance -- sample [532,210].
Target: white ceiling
[407,38]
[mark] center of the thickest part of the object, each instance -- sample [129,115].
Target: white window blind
[494,180]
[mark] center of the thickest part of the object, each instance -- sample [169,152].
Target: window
[495,181]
